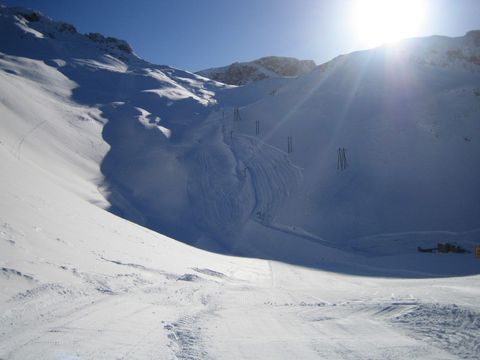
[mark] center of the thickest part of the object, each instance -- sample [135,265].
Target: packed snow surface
[328,267]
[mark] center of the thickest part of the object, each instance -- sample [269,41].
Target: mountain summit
[260,69]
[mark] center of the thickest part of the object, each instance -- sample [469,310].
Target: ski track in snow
[18,147]
[219,207]
[219,200]
[185,333]
[450,327]
[272,174]
[270,171]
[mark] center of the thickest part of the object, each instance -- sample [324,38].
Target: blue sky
[196,34]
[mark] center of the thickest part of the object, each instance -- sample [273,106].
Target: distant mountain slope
[407,117]
[263,68]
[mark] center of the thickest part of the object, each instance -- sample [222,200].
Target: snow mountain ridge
[208,163]
[260,69]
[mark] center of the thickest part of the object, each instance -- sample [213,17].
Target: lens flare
[377,22]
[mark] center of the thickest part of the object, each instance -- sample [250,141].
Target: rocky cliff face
[263,68]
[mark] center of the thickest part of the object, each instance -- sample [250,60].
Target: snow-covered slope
[181,155]
[260,69]
[409,128]
[85,125]
[409,124]
[79,282]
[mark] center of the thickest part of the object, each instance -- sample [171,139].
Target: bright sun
[383,21]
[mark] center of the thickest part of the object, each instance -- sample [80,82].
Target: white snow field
[286,256]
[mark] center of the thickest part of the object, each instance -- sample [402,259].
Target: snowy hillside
[260,69]
[89,130]
[409,124]
[209,164]
[411,138]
